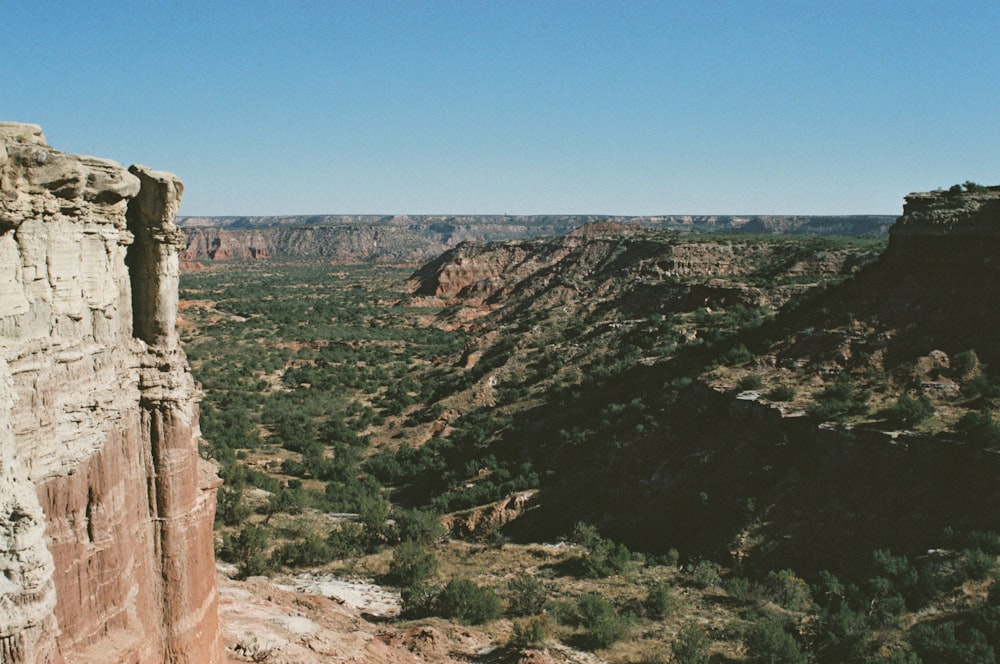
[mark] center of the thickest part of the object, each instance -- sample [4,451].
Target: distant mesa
[414,239]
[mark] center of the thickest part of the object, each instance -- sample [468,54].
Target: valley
[647,445]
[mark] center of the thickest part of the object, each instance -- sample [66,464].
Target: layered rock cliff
[105,508]
[418,238]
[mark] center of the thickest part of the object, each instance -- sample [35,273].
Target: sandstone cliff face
[105,511]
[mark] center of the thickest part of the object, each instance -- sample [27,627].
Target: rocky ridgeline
[609,253]
[419,238]
[106,510]
[961,228]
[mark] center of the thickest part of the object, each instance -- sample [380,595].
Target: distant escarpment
[418,238]
[106,510]
[608,258]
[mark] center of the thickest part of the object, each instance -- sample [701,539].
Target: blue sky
[624,107]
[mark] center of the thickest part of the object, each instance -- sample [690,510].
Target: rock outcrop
[955,228]
[594,255]
[106,510]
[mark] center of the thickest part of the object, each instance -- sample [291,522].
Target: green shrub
[782,393]
[346,539]
[602,624]
[739,588]
[411,563]
[945,644]
[964,363]
[787,590]
[603,556]
[750,382]
[975,564]
[843,635]
[691,645]
[247,550]
[706,574]
[737,355]
[421,526]
[418,600]
[231,509]
[312,550]
[525,596]
[984,540]
[767,642]
[528,633]
[980,428]
[659,601]
[907,411]
[468,603]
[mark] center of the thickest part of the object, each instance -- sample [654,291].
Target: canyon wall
[106,510]
[948,229]
[419,238]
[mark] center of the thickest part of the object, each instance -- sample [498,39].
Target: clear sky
[613,107]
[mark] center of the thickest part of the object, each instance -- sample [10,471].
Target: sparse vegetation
[351,421]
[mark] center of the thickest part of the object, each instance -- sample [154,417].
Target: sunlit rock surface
[105,510]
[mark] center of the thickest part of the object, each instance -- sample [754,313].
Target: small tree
[691,645]
[247,550]
[525,596]
[768,643]
[907,411]
[411,563]
[659,601]
[602,623]
[528,634]
[467,603]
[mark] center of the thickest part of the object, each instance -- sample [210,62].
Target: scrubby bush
[706,574]
[787,590]
[346,539]
[946,644]
[975,564]
[750,382]
[418,600]
[464,601]
[659,601]
[782,393]
[421,526]
[964,363]
[247,550]
[767,642]
[907,411]
[980,428]
[309,551]
[737,355]
[602,624]
[411,563]
[691,645]
[984,540]
[603,556]
[528,633]
[525,596]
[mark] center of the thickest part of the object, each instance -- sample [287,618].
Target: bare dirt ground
[314,619]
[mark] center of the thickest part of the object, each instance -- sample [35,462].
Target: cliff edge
[106,510]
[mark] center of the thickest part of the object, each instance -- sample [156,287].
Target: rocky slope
[106,510]
[644,338]
[418,238]
[610,260]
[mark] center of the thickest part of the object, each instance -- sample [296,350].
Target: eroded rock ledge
[105,510]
